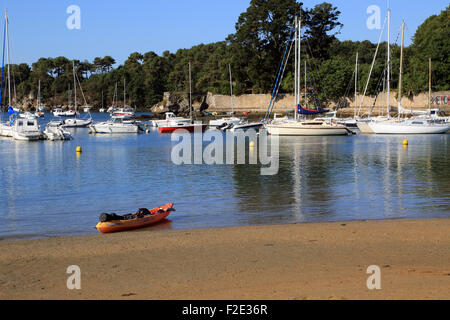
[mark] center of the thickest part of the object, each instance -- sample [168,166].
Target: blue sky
[118,28]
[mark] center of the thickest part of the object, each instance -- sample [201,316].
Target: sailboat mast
[388,64]
[115,98]
[231,90]
[429,86]
[124,92]
[190,92]
[305,84]
[74,86]
[299,60]
[39,94]
[8,57]
[401,73]
[295,67]
[356,85]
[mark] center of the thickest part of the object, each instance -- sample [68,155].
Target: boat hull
[404,128]
[110,129]
[76,123]
[27,136]
[189,128]
[306,130]
[248,126]
[364,127]
[124,225]
[224,121]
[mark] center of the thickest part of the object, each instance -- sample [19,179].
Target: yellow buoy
[79,149]
[252,144]
[405,142]
[147,131]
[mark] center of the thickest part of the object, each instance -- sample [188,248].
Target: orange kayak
[142,218]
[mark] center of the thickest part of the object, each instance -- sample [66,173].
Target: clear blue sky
[118,28]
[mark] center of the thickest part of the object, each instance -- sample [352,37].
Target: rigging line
[313,80]
[347,91]
[380,83]
[281,79]
[284,61]
[278,76]
[312,89]
[371,67]
[3,68]
[79,83]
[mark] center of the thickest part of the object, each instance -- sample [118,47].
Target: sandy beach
[298,261]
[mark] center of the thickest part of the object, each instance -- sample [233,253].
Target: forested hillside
[254,52]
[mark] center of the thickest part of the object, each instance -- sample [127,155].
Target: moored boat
[143,218]
[115,125]
[172,126]
[55,131]
[307,128]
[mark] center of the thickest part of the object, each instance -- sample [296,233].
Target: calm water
[49,190]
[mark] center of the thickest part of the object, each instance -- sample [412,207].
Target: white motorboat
[26,130]
[87,109]
[170,116]
[54,131]
[115,125]
[59,112]
[76,123]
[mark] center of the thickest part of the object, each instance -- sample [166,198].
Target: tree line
[254,52]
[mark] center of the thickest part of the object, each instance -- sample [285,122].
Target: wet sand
[298,261]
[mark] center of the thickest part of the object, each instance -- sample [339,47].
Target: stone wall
[258,103]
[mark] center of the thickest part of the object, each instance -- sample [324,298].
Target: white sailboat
[25,129]
[125,111]
[297,126]
[77,122]
[414,125]
[227,120]
[40,109]
[363,123]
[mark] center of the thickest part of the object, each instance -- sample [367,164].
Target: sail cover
[302,110]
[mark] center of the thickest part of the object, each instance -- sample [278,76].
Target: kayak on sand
[111,222]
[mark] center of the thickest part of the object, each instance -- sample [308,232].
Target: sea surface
[47,189]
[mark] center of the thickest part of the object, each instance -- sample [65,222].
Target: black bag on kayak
[143,212]
[105,217]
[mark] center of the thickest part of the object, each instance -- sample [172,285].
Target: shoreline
[295,261]
[165,226]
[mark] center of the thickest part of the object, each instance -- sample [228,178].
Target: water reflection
[48,189]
